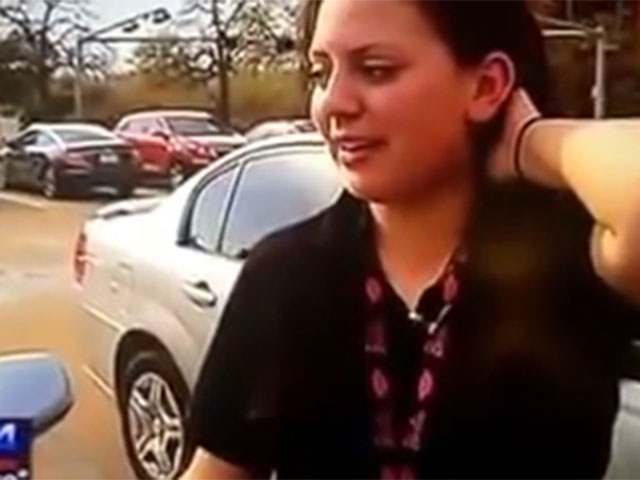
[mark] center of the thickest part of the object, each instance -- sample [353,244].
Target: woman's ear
[491,85]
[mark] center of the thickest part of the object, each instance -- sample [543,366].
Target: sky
[114,10]
[110,11]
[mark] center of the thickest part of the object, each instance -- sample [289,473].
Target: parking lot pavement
[38,310]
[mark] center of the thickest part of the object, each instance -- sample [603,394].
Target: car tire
[125,189]
[152,401]
[4,180]
[177,175]
[51,183]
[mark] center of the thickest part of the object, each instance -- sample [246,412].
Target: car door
[165,151]
[273,189]
[38,155]
[144,134]
[17,159]
[201,279]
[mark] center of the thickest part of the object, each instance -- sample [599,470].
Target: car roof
[287,140]
[169,113]
[68,125]
[311,139]
[285,120]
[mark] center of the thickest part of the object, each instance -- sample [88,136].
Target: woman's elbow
[616,258]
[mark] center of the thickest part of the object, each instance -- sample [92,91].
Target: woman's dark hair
[472,29]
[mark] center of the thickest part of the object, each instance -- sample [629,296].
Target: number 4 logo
[8,436]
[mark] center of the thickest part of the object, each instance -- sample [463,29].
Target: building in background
[619,16]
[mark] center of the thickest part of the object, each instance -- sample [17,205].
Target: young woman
[448,316]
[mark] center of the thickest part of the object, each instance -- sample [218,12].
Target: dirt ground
[38,310]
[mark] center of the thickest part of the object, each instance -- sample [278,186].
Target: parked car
[57,158]
[154,277]
[174,144]
[272,128]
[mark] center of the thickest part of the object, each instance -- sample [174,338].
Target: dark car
[58,158]
[174,144]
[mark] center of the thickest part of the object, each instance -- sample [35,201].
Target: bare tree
[243,32]
[47,30]
[15,72]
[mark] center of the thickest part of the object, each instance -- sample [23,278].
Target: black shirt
[405,352]
[529,388]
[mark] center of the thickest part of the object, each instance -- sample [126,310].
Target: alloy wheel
[156,428]
[3,174]
[50,186]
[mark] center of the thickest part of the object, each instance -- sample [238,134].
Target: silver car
[155,276]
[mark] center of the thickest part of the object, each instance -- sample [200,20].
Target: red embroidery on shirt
[380,384]
[415,428]
[397,436]
[398,472]
[451,288]
[425,386]
[374,290]
[436,346]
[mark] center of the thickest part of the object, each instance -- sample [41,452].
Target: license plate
[201,161]
[109,158]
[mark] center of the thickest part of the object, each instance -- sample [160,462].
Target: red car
[173,144]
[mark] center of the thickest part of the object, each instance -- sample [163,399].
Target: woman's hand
[598,162]
[520,111]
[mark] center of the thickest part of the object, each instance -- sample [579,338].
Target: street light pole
[157,15]
[77,84]
[223,70]
[564,29]
[599,86]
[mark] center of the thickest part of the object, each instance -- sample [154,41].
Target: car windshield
[194,126]
[81,135]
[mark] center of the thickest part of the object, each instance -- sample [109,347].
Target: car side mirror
[14,144]
[160,134]
[242,253]
[35,387]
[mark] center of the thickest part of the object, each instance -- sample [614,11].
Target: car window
[80,135]
[151,126]
[136,126]
[206,217]
[126,126]
[44,139]
[276,192]
[193,126]
[27,139]
[139,125]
